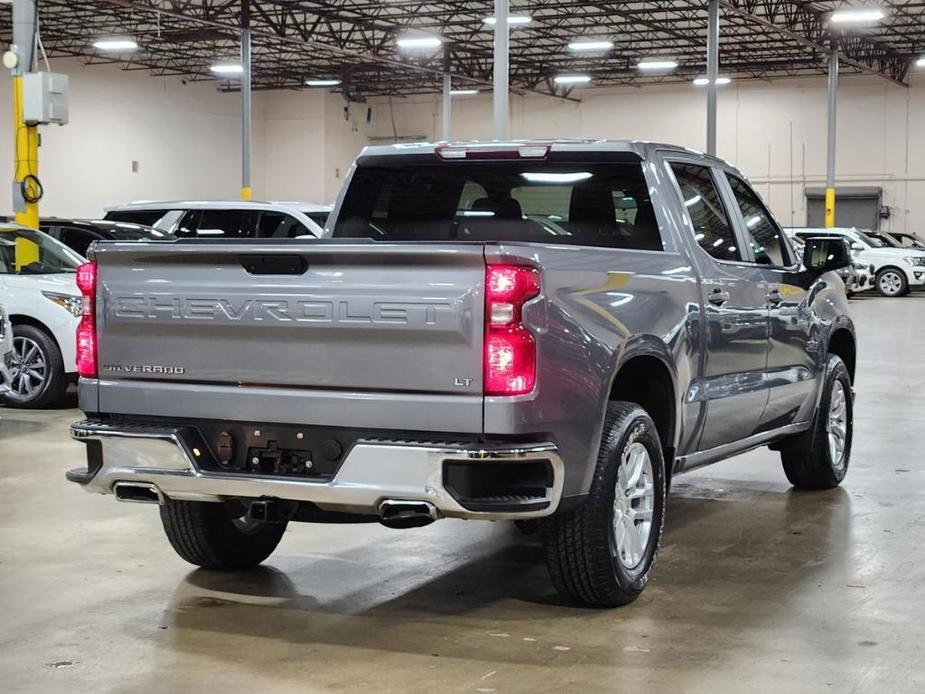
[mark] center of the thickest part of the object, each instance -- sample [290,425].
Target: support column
[832,140]
[245,101]
[712,73]
[25,137]
[501,76]
[447,106]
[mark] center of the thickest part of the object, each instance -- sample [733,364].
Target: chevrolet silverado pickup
[542,331]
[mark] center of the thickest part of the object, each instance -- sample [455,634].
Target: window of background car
[216,224]
[562,202]
[78,240]
[279,225]
[319,218]
[146,217]
[766,238]
[712,228]
[27,252]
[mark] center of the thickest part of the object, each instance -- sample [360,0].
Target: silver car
[6,350]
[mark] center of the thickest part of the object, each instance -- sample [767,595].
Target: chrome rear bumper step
[374,473]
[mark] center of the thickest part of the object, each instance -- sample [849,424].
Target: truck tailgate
[388,318]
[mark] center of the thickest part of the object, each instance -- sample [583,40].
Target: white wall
[186,138]
[774,131]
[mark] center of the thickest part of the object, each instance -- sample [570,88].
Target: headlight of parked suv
[917,260]
[71,304]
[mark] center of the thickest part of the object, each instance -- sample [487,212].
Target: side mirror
[857,247]
[823,254]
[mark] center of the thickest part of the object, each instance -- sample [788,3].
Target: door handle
[718,297]
[775,298]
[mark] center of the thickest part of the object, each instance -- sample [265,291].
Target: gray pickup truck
[493,331]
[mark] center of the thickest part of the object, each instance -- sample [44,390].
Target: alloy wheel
[633,505]
[837,425]
[890,283]
[29,369]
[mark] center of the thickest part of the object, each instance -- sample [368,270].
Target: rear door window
[701,198]
[561,202]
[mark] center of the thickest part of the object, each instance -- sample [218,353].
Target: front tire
[601,554]
[892,282]
[38,370]
[206,534]
[819,458]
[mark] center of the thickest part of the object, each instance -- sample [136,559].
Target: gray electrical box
[44,98]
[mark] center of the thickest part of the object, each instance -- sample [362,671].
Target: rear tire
[601,554]
[205,534]
[43,382]
[819,458]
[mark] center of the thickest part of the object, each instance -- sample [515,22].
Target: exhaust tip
[407,514]
[137,493]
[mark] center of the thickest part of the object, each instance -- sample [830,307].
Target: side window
[280,226]
[712,228]
[229,224]
[765,236]
[78,240]
[186,227]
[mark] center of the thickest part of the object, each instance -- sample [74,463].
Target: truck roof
[643,149]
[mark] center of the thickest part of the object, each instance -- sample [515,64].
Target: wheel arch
[645,375]
[23,319]
[843,344]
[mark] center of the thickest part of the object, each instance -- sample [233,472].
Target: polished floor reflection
[758,588]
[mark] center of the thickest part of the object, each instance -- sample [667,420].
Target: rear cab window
[563,199]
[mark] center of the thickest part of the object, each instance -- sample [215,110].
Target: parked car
[896,270]
[38,289]
[899,239]
[225,218]
[6,351]
[444,353]
[78,234]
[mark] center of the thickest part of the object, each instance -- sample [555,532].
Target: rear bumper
[373,471]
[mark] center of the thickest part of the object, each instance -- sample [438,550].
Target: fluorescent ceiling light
[704,81]
[920,62]
[548,177]
[322,83]
[572,79]
[114,44]
[653,64]
[463,92]
[858,15]
[227,68]
[584,45]
[419,43]
[512,20]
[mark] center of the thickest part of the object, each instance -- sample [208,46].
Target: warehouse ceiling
[356,41]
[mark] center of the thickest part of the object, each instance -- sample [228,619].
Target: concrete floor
[757,588]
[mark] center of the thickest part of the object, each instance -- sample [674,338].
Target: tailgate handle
[274,264]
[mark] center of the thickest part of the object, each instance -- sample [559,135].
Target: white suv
[896,270]
[38,290]
[225,218]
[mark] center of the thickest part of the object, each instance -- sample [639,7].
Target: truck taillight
[510,348]
[86,329]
